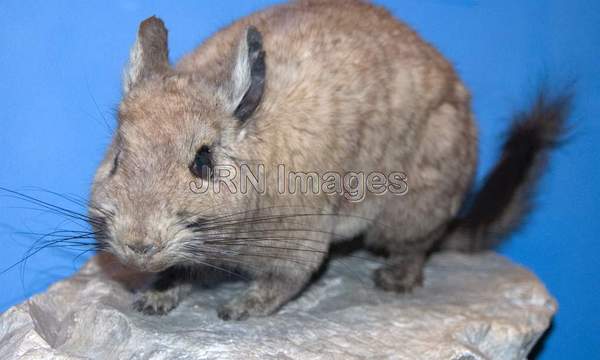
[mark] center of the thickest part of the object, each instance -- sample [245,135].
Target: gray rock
[471,307]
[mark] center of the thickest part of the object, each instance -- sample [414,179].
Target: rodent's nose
[143,249]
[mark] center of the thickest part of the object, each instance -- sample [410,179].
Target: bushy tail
[505,199]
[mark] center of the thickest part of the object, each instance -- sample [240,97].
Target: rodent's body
[347,88]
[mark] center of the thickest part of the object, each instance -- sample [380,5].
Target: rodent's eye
[202,165]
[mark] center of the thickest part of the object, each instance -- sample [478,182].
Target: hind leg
[403,269]
[439,172]
[406,229]
[401,273]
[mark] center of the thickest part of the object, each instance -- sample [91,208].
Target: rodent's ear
[249,72]
[149,55]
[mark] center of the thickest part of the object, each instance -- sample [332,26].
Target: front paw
[229,312]
[243,307]
[156,303]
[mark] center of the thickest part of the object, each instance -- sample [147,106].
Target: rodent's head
[172,126]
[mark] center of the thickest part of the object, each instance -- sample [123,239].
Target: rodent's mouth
[144,263]
[149,260]
[152,268]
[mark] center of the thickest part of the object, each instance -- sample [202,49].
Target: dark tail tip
[506,197]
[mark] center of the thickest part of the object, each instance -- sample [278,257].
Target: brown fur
[348,88]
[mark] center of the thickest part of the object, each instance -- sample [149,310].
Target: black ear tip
[254,38]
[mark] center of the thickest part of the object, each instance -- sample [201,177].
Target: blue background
[60,69]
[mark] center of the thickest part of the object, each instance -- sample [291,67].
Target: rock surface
[471,307]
